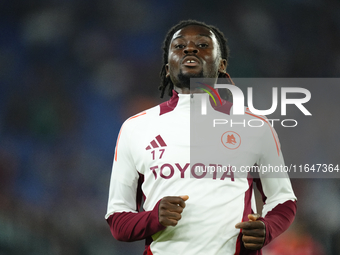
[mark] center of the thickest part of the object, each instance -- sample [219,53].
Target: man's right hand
[170,209]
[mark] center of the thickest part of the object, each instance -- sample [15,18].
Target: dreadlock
[222,41]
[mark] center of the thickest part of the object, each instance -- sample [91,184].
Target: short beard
[184,80]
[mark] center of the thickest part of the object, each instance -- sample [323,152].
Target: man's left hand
[254,232]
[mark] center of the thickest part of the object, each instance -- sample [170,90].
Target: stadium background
[72,71]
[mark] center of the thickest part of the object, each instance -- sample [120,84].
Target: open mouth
[190,61]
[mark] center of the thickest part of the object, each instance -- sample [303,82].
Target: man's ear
[223,66]
[167,69]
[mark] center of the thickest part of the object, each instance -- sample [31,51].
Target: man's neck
[187,90]
[182,90]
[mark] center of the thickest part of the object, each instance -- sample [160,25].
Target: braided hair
[222,41]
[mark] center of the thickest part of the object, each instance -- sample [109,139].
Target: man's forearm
[129,226]
[278,220]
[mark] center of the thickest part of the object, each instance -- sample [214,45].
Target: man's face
[193,53]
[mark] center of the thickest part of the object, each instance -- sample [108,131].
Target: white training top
[158,146]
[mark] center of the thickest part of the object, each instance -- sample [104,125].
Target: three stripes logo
[210,94]
[154,144]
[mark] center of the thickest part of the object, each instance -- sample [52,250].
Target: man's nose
[191,48]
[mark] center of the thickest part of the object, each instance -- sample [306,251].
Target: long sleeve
[278,220]
[129,226]
[277,193]
[126,223]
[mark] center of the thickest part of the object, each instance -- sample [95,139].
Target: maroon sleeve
[278,220]
[129,226]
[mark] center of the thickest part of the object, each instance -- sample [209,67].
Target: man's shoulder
[143,116]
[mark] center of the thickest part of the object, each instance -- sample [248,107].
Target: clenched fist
[254,232]
[170,209]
